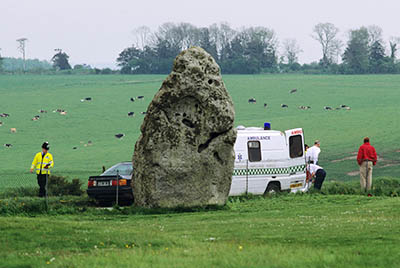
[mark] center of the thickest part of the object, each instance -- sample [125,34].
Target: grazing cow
[89,143]
[327,108]
[88,99]
[265,105]
[131,113]
[8,145]
[140,97]
[343,106]
[1,124]
[284,106]
[63,112]
[293,91]
[143,112]
[252,100]
[35,118]
[119,135]
[347,108]
[132,99]
[302,107]
[4,115]
[74,148]
[42,111]
[13,130]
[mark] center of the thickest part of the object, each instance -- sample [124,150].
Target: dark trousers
[41,179]
[319,178]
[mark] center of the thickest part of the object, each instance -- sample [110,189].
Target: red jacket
[366,152]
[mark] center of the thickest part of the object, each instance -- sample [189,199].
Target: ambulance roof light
[267,126]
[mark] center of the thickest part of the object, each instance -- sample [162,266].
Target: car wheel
[273,188]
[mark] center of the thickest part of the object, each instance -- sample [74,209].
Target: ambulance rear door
[296,158]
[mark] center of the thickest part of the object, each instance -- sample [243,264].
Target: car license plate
[103,183]
[295,185]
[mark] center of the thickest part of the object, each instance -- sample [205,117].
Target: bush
[380,187]
[59,185]
[19,192]
[37,205]
[106,71]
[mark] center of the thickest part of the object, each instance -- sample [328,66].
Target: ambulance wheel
[273,188]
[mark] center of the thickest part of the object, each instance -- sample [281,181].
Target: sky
[96,31]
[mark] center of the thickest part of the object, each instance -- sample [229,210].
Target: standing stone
[184,156]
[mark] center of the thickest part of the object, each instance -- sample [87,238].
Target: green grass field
[285,231]
[310,230]
[373,99]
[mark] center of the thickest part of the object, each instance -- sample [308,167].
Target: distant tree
[377,58]
[165,52]
[375,34]
[106,71]
[356,55]
[142,36]
[262,46]
[393,50]
[82,67]
[291,51]
[60,60]
[31,65]
[128,59]
[326,35]
[222,35]
[207,43]
[1,61]
[393,42]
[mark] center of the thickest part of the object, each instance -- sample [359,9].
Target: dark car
[104,188]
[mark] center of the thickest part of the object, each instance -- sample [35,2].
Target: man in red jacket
[366,158]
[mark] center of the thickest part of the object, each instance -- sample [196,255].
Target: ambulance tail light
[90,183]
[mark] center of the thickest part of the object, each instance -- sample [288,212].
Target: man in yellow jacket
[42,163]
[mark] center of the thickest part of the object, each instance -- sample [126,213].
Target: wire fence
[26,184]
[8,180]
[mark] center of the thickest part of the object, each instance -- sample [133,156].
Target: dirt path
[382,162]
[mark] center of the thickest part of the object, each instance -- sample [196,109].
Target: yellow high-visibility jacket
[39,163]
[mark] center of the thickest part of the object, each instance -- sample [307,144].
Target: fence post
[117,186]
[247,176]
[46,193]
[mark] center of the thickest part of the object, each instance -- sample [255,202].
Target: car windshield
[123,169]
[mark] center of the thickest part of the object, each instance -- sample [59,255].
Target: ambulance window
[295,146]
[254,150]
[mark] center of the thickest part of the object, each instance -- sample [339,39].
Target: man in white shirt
[319,174]
[312,153]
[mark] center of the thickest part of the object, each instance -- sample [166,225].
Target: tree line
[248,50]
[252,50]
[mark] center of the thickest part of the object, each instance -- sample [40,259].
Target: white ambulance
[268,161]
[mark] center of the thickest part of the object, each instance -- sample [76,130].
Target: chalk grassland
[286,231]
[374,102]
